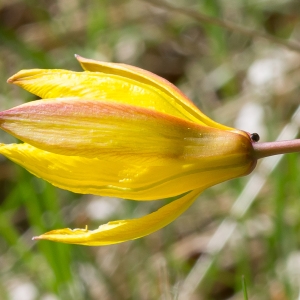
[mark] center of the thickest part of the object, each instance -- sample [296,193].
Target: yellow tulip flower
[117,130]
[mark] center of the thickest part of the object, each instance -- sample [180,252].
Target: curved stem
[273,148]
[292,45]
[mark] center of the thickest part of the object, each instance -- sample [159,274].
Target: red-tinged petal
[123,230]
[113,131]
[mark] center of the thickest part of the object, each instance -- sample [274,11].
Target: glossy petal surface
[100,86]
[164,86]
[116,82]
[121,179]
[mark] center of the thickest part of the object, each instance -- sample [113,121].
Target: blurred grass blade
[244,287]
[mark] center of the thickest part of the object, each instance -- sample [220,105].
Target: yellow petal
[151,79]
[110,130]
[100,86]
[123,230]
[117,82]
[126,180]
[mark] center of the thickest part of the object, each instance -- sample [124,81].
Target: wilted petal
[126,180]
[123,230]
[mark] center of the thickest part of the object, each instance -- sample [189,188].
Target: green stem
[273,148]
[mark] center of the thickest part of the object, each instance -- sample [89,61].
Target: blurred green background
[252,84]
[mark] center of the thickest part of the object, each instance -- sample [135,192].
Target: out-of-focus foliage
[250,84]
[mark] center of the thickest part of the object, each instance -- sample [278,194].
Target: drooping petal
[125,180]
[110,130]
[123,230]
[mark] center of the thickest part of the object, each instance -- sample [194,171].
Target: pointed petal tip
[10,80]
[66,235]
[15,77]
[52,235]
[23,75]
[80,58]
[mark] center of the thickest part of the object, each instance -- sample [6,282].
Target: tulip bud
[117,130]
